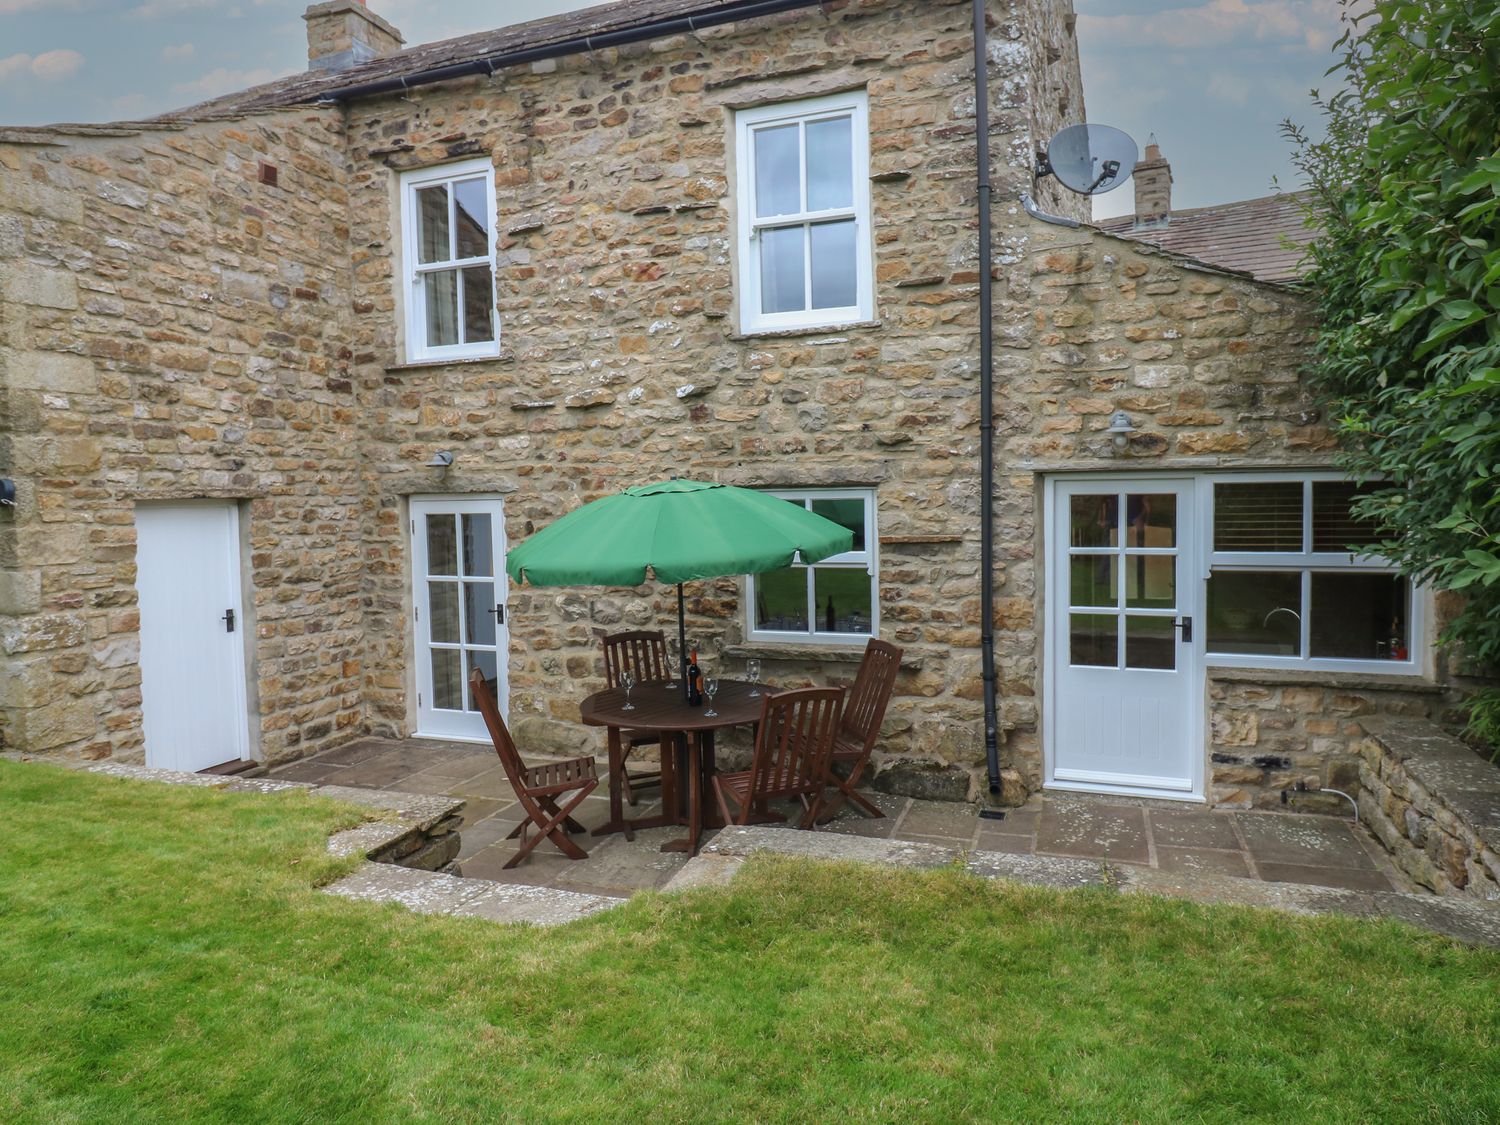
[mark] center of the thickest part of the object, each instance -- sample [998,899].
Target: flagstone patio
[1175,839]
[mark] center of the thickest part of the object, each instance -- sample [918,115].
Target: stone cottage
[285,374]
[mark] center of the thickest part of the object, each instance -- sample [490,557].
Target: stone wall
[622,360]
[1207,364]
[172,328]
[1434,804]
[178,328]
[1271,732]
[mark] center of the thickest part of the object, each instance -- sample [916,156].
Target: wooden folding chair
[643,652]
[538,788]
[864,711]
[792,748]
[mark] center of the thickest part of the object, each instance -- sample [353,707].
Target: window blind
[1262,516]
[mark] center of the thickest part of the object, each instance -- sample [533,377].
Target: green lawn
[163,957]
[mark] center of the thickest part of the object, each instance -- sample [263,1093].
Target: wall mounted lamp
[442,459]
[1120,429]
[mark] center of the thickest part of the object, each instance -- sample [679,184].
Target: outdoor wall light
[1120,429]
[442,459]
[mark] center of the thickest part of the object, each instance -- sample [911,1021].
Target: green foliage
[1483,726]
[1406,272]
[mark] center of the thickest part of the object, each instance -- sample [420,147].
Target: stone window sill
[789,333]
[1341,681]
[501,356]
[809,654]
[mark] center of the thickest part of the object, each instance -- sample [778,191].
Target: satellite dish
[1089,159]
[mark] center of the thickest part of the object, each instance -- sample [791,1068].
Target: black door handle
[1186,625]
[499,612]
[228,620]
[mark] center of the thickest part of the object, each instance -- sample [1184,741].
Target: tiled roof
[312,85]
[1249,236]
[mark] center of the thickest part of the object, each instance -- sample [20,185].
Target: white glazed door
[1122,709]
[458,603]
[192,646]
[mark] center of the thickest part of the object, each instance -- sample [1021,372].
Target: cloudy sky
[1211,78]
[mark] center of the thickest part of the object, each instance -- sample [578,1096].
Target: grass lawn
[164,957]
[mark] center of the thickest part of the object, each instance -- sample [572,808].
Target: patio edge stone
[423,810]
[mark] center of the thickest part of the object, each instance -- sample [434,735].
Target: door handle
[499,612]
[1186,625]
[228,620]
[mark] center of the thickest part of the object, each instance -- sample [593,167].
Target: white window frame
[1306,563]
[413,294]
[750,228]
[867,560]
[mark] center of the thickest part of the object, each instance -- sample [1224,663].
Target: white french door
[1123,692]
[187,559]
[458,603]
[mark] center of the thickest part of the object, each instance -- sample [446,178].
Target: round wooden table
[659,707]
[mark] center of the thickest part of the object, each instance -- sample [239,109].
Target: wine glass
[752,669]
[710,689]
[627,681]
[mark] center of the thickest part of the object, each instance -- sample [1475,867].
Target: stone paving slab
[1041,870]
[705,871]
[366,839]
[744,841]
[423,809]
[425,892]
[533,906]
[265,785]
[166,777]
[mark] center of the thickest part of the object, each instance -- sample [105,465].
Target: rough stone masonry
[175,326]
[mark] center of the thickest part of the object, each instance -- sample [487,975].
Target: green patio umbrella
[674,531]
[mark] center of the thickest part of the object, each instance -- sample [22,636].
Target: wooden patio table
[659,707]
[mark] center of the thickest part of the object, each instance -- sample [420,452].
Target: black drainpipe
[986,405]
[677,25]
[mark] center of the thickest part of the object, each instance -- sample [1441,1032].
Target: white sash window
[448,255]
[804,213]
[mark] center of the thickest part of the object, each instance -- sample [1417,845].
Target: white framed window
[1288,586]
[448,261]
[835,600]
[803,203]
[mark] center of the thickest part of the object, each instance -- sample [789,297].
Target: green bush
[1406,275]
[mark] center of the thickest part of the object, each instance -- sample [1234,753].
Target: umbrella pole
[682,653]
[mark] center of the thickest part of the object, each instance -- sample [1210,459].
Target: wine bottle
[694,684]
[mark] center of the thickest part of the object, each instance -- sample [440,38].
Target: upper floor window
[835,599]
[804,213]
[448,251]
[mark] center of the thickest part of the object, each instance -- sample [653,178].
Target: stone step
[1469,920]
[428,892]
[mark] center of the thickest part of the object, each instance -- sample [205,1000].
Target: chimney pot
[344,33]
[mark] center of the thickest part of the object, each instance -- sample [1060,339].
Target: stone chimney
[1153,187]
[344,33]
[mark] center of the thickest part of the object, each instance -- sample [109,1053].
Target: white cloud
[1313,24]
[174,51]
[11,7]
[221,80]
[49,66]
[53,66]
[155,9]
